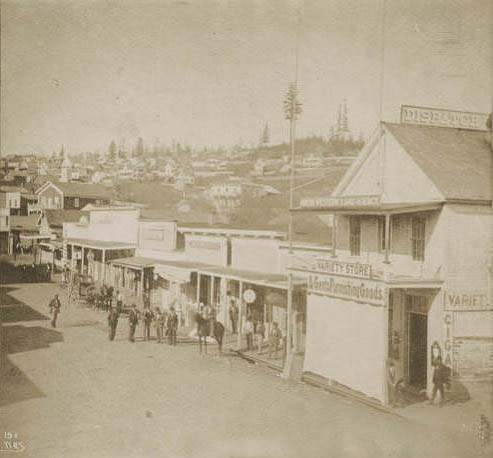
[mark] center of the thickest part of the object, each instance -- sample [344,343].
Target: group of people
[256,329]
[165,323]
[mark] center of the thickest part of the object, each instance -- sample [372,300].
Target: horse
[203,331]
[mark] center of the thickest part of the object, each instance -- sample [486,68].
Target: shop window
[76,202]
[355,235]
[418,239]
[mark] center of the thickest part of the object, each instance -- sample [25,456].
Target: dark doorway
[418,329]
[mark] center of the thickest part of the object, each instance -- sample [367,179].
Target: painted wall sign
[342,201]
[447,346]
[466,301]
[443,118]
[331,266]
[370,292]
[204,245]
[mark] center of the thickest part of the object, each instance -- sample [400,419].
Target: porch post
[387,238]
[82,261]
[385,345]
[140,288]
[240,316]
[198,288]
[334,235]
[212,291]
[103,269]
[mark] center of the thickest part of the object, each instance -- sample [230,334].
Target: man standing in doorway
[55,307]
[440,379]
[233,315]
[133,319]
[274,338]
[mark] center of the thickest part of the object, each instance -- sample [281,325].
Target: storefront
[408,276]
[90,257]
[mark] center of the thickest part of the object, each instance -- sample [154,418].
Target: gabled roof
[91,191]
[56,218]
[457,161]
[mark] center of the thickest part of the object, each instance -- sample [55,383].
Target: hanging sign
[341,201]
[443,118]
[462,301]
[249,296]
[367,291]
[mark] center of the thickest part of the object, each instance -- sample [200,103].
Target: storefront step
[336,388]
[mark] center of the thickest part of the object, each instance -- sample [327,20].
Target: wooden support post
[240,316]
[198,288]
[103,268]
[387,238]
[334,235]
[82,261]
[385,343]
[212,291]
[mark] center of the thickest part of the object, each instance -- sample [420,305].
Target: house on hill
[69,196]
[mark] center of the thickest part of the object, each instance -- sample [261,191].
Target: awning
[176,274]
[51,245]
[135,262]
[100,244]
[33,237]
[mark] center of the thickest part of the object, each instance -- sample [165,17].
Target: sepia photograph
[246,228]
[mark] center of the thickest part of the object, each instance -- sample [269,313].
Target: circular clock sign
[249,295]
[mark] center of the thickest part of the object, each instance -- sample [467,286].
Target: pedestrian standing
[260,332]
[55,307]
[119,301]
[440,379]
[233,315]
[172,326]
[113,322]
[248,331]
[133,319]
[148,317]
[274,339]
[159,321]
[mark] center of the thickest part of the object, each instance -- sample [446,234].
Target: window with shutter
[355,235]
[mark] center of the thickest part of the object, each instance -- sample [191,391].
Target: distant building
[71,195]
[10,199]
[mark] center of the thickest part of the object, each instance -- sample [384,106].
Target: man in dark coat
[172,326]
[440,378]
[148,317]
[55,307]
[113,322]
[233,315]
[133,319]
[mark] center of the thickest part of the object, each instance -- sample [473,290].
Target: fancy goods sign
[342,201]
[367,291]
[443,118]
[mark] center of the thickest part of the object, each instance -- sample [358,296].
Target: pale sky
[81,73]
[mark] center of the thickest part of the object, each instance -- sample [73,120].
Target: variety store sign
[443,118]
[331,266]
[464,301]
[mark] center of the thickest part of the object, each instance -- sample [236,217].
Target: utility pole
[292,109]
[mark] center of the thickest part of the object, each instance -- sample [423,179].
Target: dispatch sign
[443,118]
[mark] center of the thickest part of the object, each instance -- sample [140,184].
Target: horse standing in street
[203,331]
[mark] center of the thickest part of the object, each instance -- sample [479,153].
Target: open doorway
[418,330]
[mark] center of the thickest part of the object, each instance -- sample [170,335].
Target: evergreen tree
[112,149]
[139,149]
